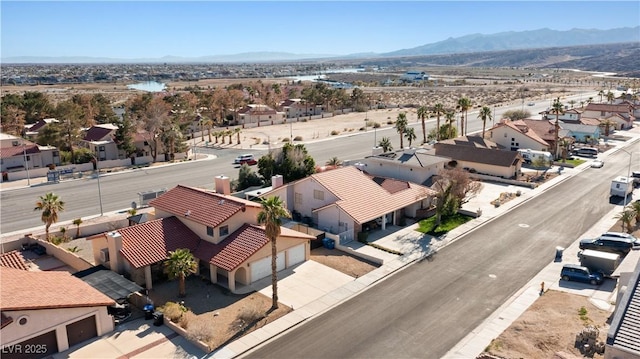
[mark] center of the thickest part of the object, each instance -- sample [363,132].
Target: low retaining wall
[502,180]
[182,332]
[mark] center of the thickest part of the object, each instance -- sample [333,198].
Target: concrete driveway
[304,283]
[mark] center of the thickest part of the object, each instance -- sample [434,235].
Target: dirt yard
[342,262]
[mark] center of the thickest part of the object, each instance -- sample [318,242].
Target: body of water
[149,86]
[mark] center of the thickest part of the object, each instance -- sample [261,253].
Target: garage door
[34,348]
[262,268]
[296,255]
[82,330]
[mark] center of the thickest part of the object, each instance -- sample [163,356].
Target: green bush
[335,133]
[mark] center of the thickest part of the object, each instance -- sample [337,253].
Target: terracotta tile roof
[389,184]
[5,320]
[150,242]
[23,290]
[367,200]
[257,110]
[529,130]
[204,207]
[477,155]
[11,151]
[543,128]
[97,133]
[13,259]
[606,107]
[589,121]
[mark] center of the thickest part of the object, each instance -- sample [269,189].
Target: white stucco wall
[394,169]
[505,136]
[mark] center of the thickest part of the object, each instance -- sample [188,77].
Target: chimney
[223,185]
[277,181]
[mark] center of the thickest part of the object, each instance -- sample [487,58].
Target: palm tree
[180,264]
[601,93]
[572,102]
[484,115]
[423,113]
[626,217]
[635,207]
[208,123]
[385,143]
[565,144]
[334,161]
[558,109]
[438,109]
[50,205]
[77,222]
[237,131]
[610,97]
[401,126]
[450,116]
[272,210]
[607,124]
[410,134]
[464,104]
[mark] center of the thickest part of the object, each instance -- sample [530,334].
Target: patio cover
[110,283]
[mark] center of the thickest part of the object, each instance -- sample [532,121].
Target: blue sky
[157,28]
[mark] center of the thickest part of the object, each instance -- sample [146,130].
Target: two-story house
[515,135]
[295,108]
[220,230]
[255,114]
[100,140]
[343,200]
[621,113]
[18,154]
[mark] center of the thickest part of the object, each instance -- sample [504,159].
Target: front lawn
[428,225]
[575,161]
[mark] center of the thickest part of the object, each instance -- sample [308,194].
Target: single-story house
[295,108]
[251,114]
[412,165]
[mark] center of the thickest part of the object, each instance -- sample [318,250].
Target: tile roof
[11,151]
[23,290]
[97,133]
[390,185]
[477,155]
[13,259]
[624,332]
[473,141]
[606,107]
[527,129]
[367,200]
[590,121]
[150,242]
[545,129]
[204,207]
[257,110]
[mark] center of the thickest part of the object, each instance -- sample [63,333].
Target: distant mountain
[512,40]
[515,40]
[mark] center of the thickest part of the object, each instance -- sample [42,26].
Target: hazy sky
[198,28]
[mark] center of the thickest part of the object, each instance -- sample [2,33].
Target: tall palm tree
[410,134]
[180,264]
[464,104]
[601,93]
[610,97]
[450,116]
[208,123]
[635,207]
[237,131]
[565,144]
[401,126]
[438,109]
[484,115]
[607,124]
[557,108]
[423,113]
[50,205]
[272,210]
[385,143]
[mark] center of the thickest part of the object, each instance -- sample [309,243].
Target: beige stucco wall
[503,135]
[45,320]
[506,172]
[334,220]
[394,169]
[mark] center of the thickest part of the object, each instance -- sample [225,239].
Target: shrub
[376,125]
[390,122]
[335,133]
[199,330]
[187,320]
[250,315]
[286,139]
[173,311]
[297,138]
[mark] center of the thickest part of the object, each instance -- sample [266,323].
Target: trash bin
[329,243]
[148,311]
[158,318]
[559,251]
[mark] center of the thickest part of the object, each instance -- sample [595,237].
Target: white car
[597,163]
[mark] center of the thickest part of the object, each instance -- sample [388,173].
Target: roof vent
[187,213]
[221,202]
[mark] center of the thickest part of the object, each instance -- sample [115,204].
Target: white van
[244,159]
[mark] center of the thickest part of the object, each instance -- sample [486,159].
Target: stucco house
[220,230]
[18,154]
[481,156]
[255,114]
[48,311]
[412,165]
[623,337]
[581,132]
[343,200]
[31,131]
[100,140]
[295,108]
[515,135]
[622,113]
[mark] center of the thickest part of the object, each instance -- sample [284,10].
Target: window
[28,158]
[298,198]
[101,148]
[224,230]
[318,194]
[505,135]
[209,231]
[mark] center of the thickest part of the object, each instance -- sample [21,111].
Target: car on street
[636,177]
[597,163]
[246,158]
[531,104]
[614,242]
[578,273]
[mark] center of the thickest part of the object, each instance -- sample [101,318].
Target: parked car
[614,242]
[636,177]
[597,163]
[578,273]
[246,158]
[531,104]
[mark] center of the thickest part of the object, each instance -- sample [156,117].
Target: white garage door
[262,268]
[296,255]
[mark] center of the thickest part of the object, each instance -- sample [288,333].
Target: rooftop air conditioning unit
[104,255]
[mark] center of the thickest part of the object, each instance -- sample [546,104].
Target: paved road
[426,309]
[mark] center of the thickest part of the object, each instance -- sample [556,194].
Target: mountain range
[511,40]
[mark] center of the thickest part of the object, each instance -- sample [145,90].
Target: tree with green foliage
[180,264]
[334,161]
[557,108]
[452,131]
[439,110]
[410,134]
[635,207]
[484,115]
[37,106]
[515,115]
[291,161]
[273,209]
[401,126]
[607,124]
[123,136]
[49,205]
[453,188]
[77,222]
[423,113]
[247,178]
[386,145]
[464,104]
[626,216]
[70,116]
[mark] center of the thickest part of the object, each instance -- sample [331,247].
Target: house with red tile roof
[621,113]
[99,139]
[13,259]
[220,230]
[296,108]
[515,135]
[49,312]
[253,115]
[18,154]
[31,131]
[484,156]
[343,200]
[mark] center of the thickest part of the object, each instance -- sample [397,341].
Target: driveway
[304,283]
